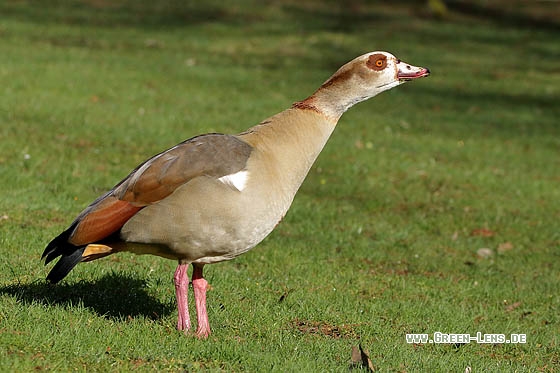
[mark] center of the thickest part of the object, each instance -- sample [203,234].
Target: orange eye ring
[379,63]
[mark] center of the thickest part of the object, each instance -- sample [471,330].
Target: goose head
[360,79]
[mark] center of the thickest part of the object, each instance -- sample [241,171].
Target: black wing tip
[70,255]
[51,251]
[54,249]
[59,245]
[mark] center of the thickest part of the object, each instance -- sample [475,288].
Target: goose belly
[207,221]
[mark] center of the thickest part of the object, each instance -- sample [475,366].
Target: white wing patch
[237,180]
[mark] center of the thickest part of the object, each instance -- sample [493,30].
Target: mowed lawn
[433,208]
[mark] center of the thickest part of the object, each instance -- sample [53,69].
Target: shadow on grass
[179,13]
[509,14]
[167,13]
[341,16]
[114,296]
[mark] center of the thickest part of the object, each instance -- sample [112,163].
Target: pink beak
[408,72]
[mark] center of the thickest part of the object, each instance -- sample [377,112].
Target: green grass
[382,238]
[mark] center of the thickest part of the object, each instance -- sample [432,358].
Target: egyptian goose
[214,196]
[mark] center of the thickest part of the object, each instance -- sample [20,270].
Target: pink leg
[200,285]
[181,288]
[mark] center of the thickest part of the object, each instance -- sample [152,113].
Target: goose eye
[377,62]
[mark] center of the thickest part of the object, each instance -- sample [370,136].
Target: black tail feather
[65,265]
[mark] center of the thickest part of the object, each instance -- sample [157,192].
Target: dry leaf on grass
[484,253]
[360,359]
[513,306]
[506,246]
[483,232]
